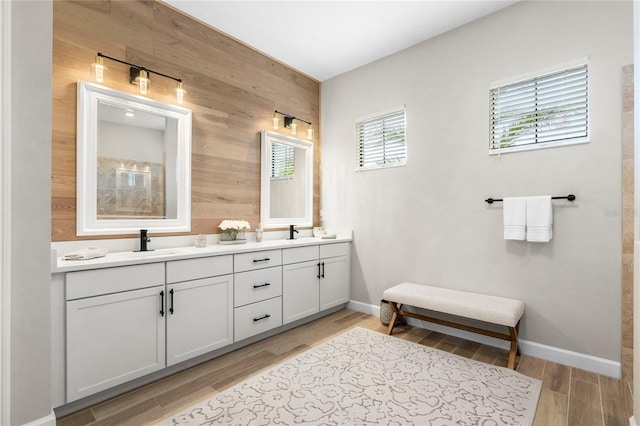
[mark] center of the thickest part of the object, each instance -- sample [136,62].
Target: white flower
[234,224]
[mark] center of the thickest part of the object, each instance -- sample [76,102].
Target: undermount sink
[149,253]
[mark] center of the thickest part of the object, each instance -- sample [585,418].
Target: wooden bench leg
[514,347]
[396,315]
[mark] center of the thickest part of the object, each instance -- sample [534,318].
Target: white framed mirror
[286,189]
[133,163]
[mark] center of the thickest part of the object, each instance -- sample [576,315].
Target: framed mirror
[286,190]
[133,163]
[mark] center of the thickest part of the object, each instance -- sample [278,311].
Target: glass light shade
[180,92]
[310,133]
[98,70]
[294,128]
[276,122]
[143,82]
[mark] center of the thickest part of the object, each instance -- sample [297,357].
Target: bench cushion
[493,309]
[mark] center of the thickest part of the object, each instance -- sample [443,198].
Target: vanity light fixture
[290,123]
[138,75]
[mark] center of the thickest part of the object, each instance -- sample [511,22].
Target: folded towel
[539,219]
[514,216]
[86,254]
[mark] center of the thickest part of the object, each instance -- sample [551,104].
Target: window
[539,112]
[380,140]
[282,161]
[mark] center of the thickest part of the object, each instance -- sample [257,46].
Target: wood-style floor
[569,396]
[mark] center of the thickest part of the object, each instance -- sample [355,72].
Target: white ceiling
[326,38]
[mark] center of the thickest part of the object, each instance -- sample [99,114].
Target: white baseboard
[550,353]
[49,420]
[632,421]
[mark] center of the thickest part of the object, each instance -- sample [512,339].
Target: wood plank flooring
[569,396]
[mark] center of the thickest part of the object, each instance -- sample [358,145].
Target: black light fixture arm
[291,117]
[179,80]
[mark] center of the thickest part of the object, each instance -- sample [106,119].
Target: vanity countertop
[124,258]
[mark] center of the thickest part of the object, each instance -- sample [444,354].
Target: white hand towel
[86,254]
[514,216]
[539,219]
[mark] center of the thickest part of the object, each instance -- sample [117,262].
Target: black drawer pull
[171,305]
[266,259]
[322,274]
[318,271]
[162,303]
[261,318]
[261,285]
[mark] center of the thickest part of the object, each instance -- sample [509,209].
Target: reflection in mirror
[287,181]
[133,163]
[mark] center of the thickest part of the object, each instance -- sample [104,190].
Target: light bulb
[276,122]
[143,82]
[294,128]
[310,133]
[180,92]
[98,70]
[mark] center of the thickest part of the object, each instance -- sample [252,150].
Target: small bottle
[259,233]
[201,241]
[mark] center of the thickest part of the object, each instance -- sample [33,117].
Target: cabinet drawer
[334,250]
[193,269]
[257,260]
[113,280]
[256,318]
[254,286]
[299,254]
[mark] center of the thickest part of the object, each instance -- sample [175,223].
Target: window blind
[541,110]
[380,140]
[282,161]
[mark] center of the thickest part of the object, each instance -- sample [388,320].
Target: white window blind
[380,140]
[546,110]
[282,161]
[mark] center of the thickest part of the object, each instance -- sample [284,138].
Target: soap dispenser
[259,233]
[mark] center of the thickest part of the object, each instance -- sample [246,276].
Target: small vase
[232,236]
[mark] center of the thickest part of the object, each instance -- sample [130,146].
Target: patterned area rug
[363,377]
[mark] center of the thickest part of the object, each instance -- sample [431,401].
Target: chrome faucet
[292,229]
[144,239]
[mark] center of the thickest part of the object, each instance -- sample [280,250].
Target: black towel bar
[569,197]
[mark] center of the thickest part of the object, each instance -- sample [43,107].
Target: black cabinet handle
[318,271]
[162,303]
[261,318]
[171,305]
[322,274]
[261,285]
[266,259]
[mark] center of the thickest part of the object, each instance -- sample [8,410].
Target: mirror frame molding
[267,140]
[87,223]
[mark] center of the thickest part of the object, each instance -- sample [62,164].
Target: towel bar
[569,197]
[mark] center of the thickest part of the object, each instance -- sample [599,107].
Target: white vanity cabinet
[199,306]
[257,292]
[314,278]
[115,326]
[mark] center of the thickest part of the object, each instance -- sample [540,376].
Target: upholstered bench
[490,309]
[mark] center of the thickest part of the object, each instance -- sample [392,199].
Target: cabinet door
[112,339]
[335,283]
[300,290]
[199,317]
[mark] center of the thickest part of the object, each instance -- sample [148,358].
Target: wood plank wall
[232,90]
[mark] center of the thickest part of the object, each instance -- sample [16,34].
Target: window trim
[369,117]
[540,73]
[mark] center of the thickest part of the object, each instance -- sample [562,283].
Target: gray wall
[30,206]
[428,222]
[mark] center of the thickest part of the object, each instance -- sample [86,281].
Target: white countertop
[124,258]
